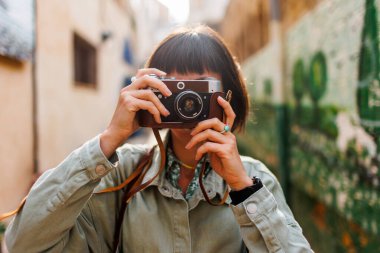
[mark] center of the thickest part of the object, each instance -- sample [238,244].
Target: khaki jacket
[62,213]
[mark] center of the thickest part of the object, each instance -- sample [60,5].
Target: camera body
[191,102]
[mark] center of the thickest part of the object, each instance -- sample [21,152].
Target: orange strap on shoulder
[146,160]
[9,214]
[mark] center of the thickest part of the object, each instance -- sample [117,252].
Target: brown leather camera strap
[200,179]
[140,187]
[133,184]
[143,162]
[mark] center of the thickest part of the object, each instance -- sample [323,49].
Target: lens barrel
[188,105]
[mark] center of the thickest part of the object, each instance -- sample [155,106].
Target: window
[84,62]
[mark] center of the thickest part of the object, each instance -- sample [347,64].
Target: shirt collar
[213,183]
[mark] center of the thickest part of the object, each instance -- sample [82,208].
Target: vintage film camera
[191,102]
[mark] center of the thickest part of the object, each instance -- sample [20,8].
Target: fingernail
[187,146]
[169,93]
[167,112]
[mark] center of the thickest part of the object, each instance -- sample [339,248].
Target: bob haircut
[200,49]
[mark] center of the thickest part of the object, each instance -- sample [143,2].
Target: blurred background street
[312,69]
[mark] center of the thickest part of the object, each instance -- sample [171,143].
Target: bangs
[188,53]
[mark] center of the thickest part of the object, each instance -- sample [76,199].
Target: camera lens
[188,105]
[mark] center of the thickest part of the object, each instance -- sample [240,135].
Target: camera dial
[180,85]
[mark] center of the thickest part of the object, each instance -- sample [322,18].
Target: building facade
[66,93]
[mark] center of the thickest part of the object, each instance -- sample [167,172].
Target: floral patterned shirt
[173,173]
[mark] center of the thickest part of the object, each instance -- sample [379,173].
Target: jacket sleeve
[53,217]
[266,222]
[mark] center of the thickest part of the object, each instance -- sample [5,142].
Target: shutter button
[100,170]
[251,208]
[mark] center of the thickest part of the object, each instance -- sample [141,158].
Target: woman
[62,213]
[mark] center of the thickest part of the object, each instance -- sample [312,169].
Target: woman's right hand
[133,98]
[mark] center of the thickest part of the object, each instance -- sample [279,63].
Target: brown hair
[199,49]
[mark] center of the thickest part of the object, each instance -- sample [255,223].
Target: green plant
[2,230]
[317,81]
[268,89]
[327,122]
[299,84]
[368,88]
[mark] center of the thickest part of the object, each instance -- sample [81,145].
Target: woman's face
[183,132]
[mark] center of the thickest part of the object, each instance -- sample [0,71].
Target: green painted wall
[332,110]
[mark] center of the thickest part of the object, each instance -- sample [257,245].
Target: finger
[147,71]
[208,147]
[213,123]
[149,106]
[209,135]
[150,96]
[228,111]
[152,82]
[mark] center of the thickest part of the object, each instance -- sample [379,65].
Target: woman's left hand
[221,147]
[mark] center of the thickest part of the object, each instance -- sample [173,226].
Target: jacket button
[251,208]
[100,169]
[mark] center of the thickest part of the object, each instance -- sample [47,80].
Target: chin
[181,131]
